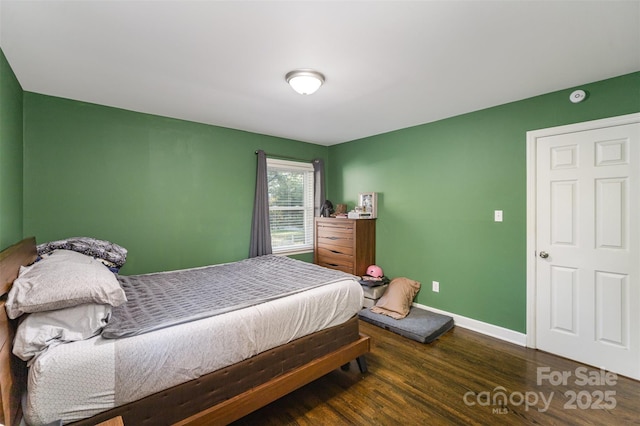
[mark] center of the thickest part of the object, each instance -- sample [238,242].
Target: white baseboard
[482,327]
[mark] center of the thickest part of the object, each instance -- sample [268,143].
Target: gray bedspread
[168,298]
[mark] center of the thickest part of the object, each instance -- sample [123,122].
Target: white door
[587,246]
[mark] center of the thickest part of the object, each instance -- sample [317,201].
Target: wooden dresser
[345,244]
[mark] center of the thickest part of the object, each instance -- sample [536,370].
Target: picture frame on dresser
[369,202]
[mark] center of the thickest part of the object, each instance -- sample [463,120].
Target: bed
[212,389]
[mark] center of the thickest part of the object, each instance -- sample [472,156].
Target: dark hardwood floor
[463,378]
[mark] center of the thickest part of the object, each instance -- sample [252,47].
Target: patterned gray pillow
[60,280]
[101,249]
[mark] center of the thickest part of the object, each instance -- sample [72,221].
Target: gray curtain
[318,190]
[260,232]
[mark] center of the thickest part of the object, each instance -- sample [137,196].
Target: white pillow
[40,330]
[63,279]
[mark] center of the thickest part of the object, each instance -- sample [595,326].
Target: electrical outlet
[435,285]
[497,215]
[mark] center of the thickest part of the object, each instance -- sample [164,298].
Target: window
[290,186]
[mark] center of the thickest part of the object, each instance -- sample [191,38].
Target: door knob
[544,254]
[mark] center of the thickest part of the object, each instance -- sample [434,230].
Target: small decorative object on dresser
[369,203]
[348,245]
[327,209]
[341,210]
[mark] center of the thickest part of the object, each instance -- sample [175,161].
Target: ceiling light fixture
[305,81]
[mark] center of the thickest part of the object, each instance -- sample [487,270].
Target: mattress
[77,380]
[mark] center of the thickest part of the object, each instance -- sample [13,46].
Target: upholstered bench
[420,325]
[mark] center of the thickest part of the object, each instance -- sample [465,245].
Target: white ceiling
[388,64]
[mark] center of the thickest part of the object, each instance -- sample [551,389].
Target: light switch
[497,216]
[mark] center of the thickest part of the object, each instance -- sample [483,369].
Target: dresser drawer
[336,245]
[334,258]
[336,237]
[337,225]
[344,264]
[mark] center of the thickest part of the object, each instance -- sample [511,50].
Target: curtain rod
[283,157]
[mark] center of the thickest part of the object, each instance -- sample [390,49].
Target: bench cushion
[420,325]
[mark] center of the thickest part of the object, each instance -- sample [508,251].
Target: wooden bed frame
[298,363]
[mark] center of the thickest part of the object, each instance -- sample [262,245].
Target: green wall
[10,156]
[176,194]
[438,185]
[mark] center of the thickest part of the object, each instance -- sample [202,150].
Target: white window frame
[307,208]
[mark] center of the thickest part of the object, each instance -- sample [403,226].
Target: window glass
[290,186]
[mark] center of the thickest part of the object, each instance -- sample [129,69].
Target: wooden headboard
[12,370]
